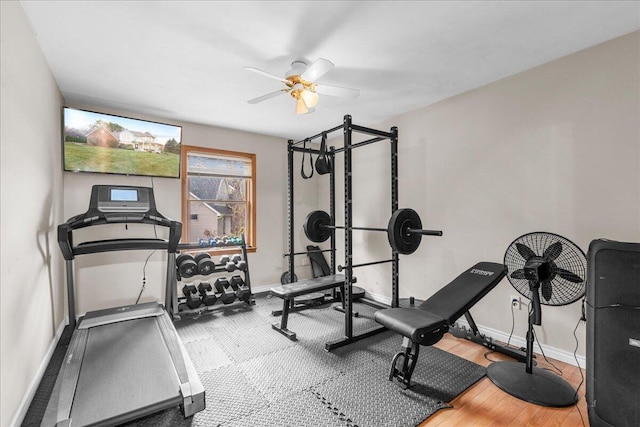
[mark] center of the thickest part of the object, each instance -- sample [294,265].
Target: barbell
[404,230]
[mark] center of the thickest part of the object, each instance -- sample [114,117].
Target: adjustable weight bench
[427,323]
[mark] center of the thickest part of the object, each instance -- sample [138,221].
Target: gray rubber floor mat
[255,376]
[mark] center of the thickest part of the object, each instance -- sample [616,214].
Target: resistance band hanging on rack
[323,161]
[304,146]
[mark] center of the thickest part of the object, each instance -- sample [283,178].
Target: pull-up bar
[326,132]
[356,128]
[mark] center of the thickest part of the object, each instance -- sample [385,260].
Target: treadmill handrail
[69,251]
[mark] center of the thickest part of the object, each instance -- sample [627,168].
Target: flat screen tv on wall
[104,143]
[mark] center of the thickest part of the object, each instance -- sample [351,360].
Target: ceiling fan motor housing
[298,67]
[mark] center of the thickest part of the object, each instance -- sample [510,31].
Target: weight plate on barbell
[286,278]
[400,240]
[314,226]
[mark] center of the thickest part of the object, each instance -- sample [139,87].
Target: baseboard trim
[261,289]
[516,341]
[18,418]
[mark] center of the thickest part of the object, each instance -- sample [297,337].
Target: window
[218,194]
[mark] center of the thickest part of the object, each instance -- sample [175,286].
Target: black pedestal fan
[548,269]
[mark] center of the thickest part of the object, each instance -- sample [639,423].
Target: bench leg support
[409,355]
[284,331]
[282,326]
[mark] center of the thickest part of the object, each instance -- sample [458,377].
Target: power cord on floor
[488,353]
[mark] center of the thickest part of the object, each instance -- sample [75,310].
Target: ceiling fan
[300,82]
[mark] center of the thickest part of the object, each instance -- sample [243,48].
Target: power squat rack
[348,129]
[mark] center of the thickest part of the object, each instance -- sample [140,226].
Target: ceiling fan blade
[264,73]
[316,70]
[518,274]
[567,275]
[525,251]
[553,251]
[343,92]
[267,96]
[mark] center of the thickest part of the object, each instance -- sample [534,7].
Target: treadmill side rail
[196,401]
[191,388]
[58,409]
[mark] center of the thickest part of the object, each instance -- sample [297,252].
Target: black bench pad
[463,292]
[307,286]
[434,316]
[411,322]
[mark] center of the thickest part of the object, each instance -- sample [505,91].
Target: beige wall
[555,148]
[31,290]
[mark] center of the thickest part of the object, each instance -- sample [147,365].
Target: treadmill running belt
[118,380]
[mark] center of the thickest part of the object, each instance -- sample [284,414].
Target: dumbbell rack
[178,308]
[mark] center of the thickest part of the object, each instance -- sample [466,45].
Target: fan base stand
[540,387]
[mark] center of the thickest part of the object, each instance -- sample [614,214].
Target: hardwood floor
[484,404]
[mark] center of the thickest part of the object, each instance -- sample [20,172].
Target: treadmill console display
[123,199]
[123,195]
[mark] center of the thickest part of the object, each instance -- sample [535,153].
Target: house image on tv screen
[138,141]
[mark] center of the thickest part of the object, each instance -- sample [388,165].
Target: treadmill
[128,362]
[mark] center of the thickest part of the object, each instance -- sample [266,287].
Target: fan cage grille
[572,259]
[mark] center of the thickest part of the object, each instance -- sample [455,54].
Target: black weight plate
[201,256]
[401,241]
[313,226]
[286,278]
[186,265]
[356,292]
[310,299]
[205,263]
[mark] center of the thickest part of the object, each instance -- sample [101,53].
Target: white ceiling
[184,60]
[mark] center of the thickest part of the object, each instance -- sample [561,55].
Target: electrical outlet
[515,302]
[305,261]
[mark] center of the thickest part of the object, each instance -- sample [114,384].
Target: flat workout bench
[427,323]
[289,291]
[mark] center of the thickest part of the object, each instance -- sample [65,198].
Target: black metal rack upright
[348,128]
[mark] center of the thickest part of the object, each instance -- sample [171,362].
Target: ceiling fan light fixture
[310,97]
[298,92]
[301,108]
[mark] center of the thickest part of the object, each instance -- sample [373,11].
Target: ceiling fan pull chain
[304,147]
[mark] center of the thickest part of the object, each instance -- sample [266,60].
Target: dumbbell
[186,265]
[205,263]
[239,262]
[242,291]
[191,295]
[207,295]
[225,260]
[227,296]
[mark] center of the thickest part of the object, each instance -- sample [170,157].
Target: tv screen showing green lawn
[104,143]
